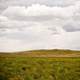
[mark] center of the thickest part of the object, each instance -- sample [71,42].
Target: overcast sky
[39,24]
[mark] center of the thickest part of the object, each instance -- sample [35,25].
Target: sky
[39,24]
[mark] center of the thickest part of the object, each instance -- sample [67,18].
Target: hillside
[40,65]
[44,53]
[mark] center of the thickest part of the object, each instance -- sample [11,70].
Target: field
[40,65]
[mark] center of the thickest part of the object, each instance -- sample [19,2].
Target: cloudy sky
[39,24]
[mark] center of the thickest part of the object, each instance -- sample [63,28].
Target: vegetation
[24,66]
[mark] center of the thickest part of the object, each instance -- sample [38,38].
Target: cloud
[42,15]
[3,18]
[61,41]
[40,27]
[72,26]
[36,11]
[26,3]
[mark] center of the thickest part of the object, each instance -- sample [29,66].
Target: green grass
[41,68]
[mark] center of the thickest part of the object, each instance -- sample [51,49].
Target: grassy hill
[43,53]
[40,65]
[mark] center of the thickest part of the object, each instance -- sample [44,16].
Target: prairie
[40,65]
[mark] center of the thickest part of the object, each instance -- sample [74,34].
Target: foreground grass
[41,68]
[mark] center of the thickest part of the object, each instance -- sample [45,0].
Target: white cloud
[61,41]
[17,12]
[3,18]
[40,27]
[21,17]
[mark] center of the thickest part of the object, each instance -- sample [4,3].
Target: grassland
[40,65]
